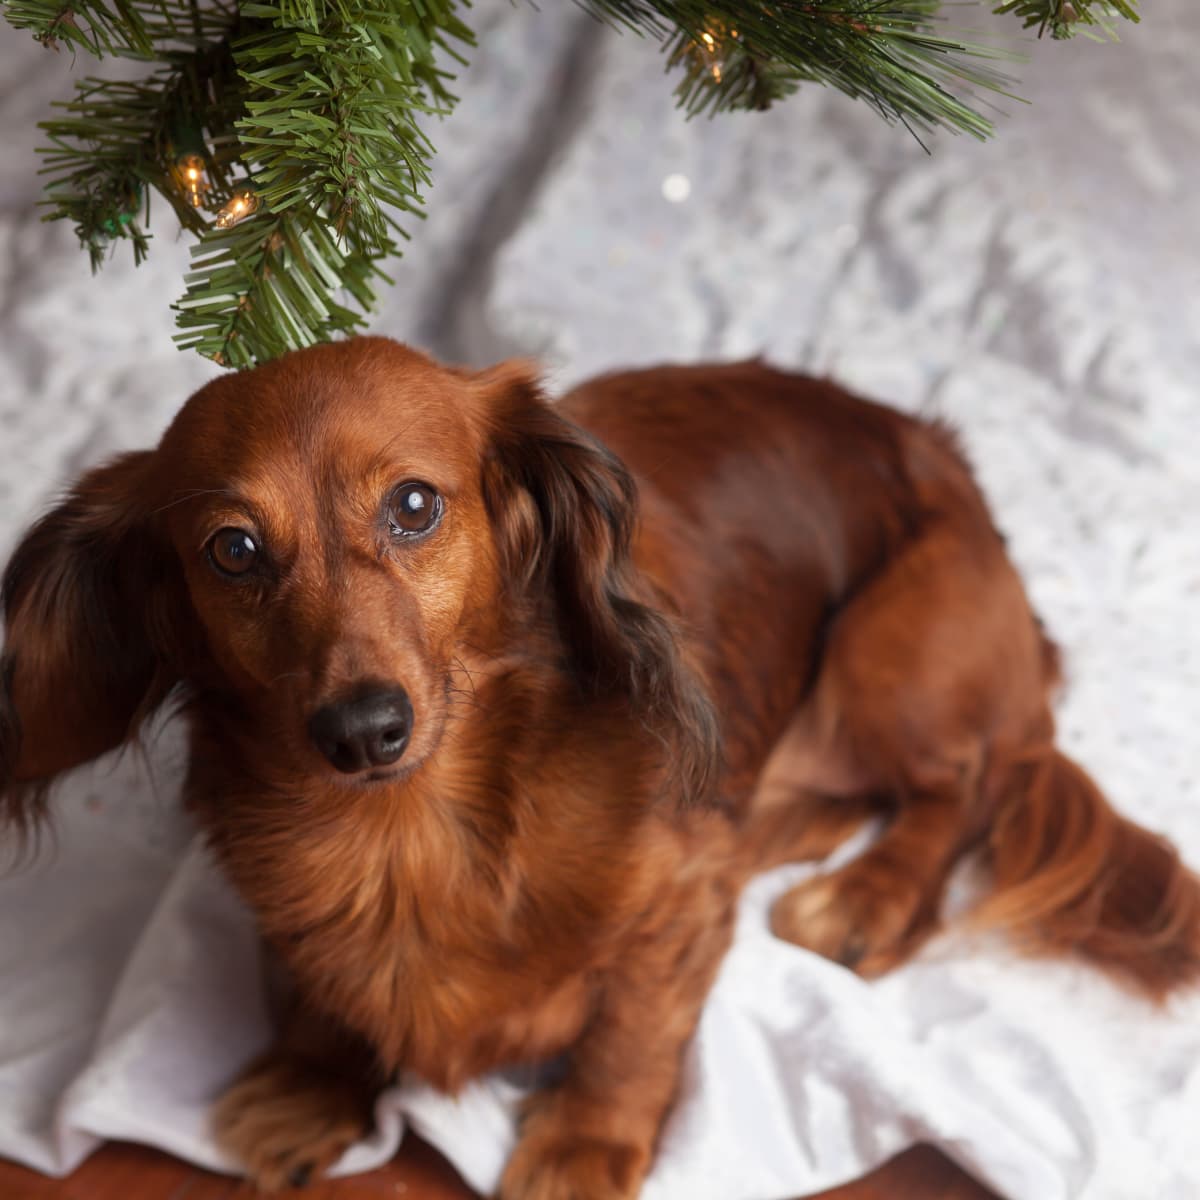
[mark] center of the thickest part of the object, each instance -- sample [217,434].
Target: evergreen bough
[310,111]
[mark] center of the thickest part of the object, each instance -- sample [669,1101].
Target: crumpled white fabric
[1041,292]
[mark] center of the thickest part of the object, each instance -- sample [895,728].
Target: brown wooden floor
[123,1172]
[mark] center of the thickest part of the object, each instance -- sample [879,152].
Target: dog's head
[312,550]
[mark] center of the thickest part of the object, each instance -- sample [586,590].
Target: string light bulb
[710,44]
[242,204]
[188,155]
[195,181]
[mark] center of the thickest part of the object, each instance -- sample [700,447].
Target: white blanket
[1041,292]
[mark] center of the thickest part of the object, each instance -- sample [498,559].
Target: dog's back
[858,619]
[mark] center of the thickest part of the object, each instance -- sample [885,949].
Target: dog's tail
[1072,875]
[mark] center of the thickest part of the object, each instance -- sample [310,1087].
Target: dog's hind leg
[877,909]
[926,670]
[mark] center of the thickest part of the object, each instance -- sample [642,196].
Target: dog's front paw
[553,1164]
[286,1121]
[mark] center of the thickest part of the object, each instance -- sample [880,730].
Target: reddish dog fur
[618,714]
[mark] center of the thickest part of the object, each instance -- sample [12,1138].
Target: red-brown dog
[490,751]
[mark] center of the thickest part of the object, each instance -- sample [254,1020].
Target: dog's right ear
[83,600]
[564,507]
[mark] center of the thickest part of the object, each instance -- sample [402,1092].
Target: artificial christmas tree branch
[298,124]
[330,94]
[737,55]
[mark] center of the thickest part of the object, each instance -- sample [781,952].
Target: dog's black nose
[371,730]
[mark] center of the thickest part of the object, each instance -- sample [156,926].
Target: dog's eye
[413,508]
[233,551]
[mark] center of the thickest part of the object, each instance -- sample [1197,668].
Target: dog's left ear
[564,509]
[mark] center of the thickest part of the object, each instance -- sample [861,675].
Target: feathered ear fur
[82,664]
[564,508]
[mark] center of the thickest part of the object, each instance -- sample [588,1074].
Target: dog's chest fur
[460,919]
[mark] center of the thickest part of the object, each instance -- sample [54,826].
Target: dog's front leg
[294,1111]
[593,1135]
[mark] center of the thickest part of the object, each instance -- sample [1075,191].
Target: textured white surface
[1042,291]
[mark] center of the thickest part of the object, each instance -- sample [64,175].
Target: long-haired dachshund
[496,704]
